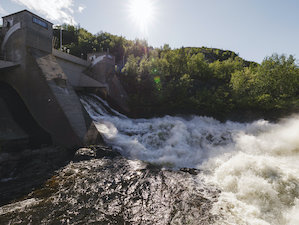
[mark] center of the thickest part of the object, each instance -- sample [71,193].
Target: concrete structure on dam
[38,84]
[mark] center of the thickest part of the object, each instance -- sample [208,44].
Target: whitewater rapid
[255,165]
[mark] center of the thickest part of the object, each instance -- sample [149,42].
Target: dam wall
[50,99]
[46,80]
[74,68]
[102,68]
[39,80]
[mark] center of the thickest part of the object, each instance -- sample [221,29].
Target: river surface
[241,173]
[255,165]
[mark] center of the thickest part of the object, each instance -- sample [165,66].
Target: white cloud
[58,11]
[2,11]
[81,8]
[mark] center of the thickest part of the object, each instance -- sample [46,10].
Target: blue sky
[252,28]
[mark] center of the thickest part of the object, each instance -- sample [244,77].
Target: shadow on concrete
[19,120]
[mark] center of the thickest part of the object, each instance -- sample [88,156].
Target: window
[39,22]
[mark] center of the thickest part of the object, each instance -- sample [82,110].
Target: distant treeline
[80,42]
[202,81]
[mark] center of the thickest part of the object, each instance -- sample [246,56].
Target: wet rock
[115,190]
[191,171]
[23,171]
[84,154]
[95,152]
[104,151]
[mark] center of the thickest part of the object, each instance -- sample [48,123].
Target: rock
[84,154]
[26,170]
[103,151]
[95,152]
[191,171]
[117,191]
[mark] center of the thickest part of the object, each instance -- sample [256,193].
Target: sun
[142,13]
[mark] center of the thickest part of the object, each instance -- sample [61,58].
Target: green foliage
[205,81]
[272,85]
[278,76]
[80,42]
[179,81]
[188,83]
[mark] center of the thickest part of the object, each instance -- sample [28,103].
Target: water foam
[255,164]
[260,178]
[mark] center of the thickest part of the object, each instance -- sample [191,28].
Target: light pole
[61,38]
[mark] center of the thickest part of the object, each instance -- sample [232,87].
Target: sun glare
[142,13]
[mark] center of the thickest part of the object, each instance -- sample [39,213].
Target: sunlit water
[256,165]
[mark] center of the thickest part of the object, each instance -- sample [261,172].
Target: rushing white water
[254,164]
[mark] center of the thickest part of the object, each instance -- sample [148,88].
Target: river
[174,170]
[255,165]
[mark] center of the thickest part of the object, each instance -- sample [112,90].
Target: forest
[193,80]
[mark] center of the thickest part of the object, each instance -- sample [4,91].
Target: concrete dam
[39,104]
